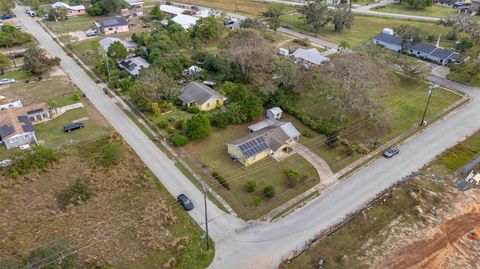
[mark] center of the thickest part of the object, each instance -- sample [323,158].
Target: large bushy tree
[152,85]
[198,126]
[117,51]
[273,13]
[317,14]
[37,62]
[206,29]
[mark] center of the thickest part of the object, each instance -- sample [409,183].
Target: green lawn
[86,50]
[75,23]
[433,11]
[212,153]
[364,28]
[463,79]
[41,91]
[17,74]
[52,135]
[404,103]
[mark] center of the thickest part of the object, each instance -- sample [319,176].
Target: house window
[13,140]
[110,29]
[27,136]
[208,104]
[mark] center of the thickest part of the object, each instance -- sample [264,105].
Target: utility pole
[206,214]
[430,92]
[235,5]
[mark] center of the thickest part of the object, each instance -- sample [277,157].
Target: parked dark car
[7,17]
[460,4]
[73,126]
[391,152]
[185,202]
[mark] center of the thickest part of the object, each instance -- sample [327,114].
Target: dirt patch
[127,217]
[446,247]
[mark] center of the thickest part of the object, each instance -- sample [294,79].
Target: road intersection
[241,244]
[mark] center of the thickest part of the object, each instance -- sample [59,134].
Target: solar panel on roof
[254,142]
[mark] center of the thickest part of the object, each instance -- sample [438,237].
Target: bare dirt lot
[446,246]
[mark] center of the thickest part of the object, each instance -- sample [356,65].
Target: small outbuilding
[274,113]
[283,52]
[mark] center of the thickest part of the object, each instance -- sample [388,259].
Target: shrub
[302,42]
[223,182]
[163,123]
[76,96]
[215,174]
[111,154]
[250,186]
[38,158]
[180,125]
[198,127]
[74,194]
[54,255]
[293,177]
[220,120]
[269,191]
[257,201]
[192,109]
[179,140]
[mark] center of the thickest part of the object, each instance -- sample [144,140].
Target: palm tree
[343,46]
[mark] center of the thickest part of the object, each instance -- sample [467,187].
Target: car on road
[389,153]
[31,13]
[5,81]
[73,126]
[185,202]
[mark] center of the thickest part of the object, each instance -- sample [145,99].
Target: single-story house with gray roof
[201,96]
[420,50]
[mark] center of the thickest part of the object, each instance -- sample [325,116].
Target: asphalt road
[262,245]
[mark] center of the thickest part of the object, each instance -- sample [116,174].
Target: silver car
[5,81]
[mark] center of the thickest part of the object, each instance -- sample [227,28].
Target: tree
[274,13]
[155,14]
[198,126]
[105,7]
[4,63]
[206,29]
[342,17]
[409,35]
[317,14]
[57,14]
[11,36]
[251,51]
[152,85]
[269,191]
[416,69]
[36,61]
[464,44]
[179,140]
[352,82]
[117,51]
[287,73]
[250,186]
[343,46]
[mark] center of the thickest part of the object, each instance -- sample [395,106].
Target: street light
[205,189]
[430,92]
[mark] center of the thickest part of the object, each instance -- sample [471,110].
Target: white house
[71,10]
[172,10]
[107,41]
[309,56]
[186,21]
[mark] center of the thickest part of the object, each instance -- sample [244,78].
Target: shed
[274,113]
[261,124]
[388,31]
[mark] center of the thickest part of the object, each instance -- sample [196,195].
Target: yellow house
[201,96]
[269,137]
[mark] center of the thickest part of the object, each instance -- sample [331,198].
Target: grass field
[463,79]
[364,28]
[212,153]
[433,11]
[17,74]
[246,7]
[75,23]
[40,91]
